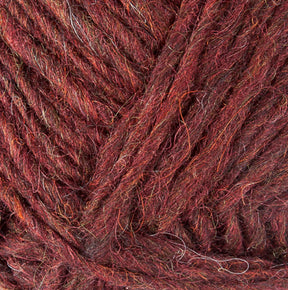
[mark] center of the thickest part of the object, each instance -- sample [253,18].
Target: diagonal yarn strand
[143,144]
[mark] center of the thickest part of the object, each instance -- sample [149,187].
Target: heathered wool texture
[143,144]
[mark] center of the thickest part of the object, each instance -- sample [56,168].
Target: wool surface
[143,144]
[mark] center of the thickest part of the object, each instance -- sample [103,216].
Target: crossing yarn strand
[143,144]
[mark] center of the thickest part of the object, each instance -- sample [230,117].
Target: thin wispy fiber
[143,144]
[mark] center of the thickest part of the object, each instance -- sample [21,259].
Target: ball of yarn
[143,144]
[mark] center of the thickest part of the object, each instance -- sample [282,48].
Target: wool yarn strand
[143,144]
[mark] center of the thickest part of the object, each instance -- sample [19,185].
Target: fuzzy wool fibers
[143,144]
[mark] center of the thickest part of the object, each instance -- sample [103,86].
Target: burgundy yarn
[143,144]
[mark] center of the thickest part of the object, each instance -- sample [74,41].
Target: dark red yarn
[143,144]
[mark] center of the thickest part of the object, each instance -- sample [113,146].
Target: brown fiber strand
[143,144]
